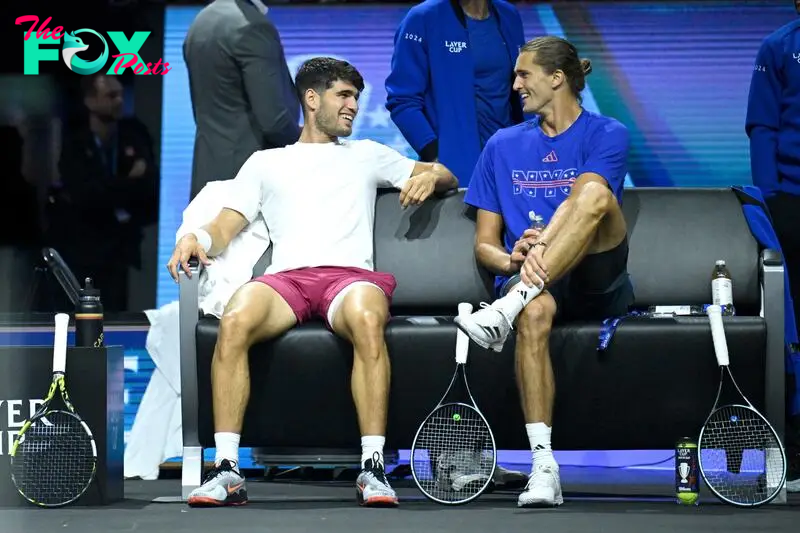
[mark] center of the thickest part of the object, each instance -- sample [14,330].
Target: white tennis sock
[369,445]
[227,445]
[539,437]
[516,299]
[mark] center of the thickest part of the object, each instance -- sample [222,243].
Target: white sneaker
[457,470]
[223,485]
[503,476]
[372,487]
[543,489]
[488,327]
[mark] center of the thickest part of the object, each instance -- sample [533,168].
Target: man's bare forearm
[494,258]
[218,240]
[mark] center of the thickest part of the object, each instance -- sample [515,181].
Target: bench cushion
[659,373]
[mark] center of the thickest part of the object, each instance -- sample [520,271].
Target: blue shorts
[598,288]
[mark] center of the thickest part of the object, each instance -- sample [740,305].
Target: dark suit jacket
[243,96]
[97,215]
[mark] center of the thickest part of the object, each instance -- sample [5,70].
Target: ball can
[687,488]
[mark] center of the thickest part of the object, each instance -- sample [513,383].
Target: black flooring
[597,500]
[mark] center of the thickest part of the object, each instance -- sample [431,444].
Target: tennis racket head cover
[741,458]
[54,456]
[453,456]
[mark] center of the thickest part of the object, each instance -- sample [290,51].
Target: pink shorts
[313,291]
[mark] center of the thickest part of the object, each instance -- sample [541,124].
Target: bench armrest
[772,309]
[189,313]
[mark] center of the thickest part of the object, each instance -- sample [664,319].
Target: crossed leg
[590,223]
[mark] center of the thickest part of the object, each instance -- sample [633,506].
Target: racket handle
[60,343]
[462,341]
[714,313]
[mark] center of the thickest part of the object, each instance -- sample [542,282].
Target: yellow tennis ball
[689,498]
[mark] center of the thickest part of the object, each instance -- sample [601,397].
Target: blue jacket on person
[773,113]
[757,215]
[431,87]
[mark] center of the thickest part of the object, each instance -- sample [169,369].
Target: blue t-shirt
[524,175]
[493,73]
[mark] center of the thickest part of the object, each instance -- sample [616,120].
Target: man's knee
[239,320]
[236,329]
[596,199]
[536,319]
[366,325]
[362,315]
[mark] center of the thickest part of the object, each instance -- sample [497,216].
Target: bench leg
[192,470]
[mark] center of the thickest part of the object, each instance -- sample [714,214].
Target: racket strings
[453,456]
[740,456]
[55,460]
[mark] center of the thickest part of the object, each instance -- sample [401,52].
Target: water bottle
[687,488]
[537,221]
[722,288]
[89,317]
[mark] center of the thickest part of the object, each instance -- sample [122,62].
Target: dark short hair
[554,53]
[320,73]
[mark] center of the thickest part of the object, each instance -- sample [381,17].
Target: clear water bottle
[537,221]
[722,288]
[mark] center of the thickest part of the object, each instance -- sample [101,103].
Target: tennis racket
[741,458]
[54,455]
[453,456]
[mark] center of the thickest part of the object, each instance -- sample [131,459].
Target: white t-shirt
[318,200]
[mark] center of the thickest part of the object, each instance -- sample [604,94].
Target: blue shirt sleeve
[482,191]
[763,119]
[608,155]
[407,83]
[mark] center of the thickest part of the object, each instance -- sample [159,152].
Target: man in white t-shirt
[318,200]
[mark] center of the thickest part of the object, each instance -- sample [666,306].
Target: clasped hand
[528,260]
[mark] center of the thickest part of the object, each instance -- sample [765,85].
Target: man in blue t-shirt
[566,169]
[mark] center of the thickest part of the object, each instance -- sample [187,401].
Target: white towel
[234,267]
[156,432]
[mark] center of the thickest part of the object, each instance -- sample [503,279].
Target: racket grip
[462,341]
[60,343]
[714,313]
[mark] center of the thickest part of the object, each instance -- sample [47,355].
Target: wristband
[203,238]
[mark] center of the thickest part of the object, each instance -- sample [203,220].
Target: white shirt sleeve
[390,167]
[245,194]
